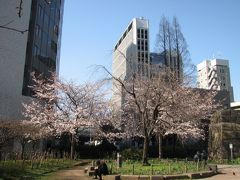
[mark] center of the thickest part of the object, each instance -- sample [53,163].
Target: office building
[36,50]
[215,74]
[131,54]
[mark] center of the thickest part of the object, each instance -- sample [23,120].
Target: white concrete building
[215,74]
[235,106]
[131,55]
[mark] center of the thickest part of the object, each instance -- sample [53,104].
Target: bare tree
[171,42]
[162,38]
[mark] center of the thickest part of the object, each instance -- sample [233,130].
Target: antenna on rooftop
[213,56]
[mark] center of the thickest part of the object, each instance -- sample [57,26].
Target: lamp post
[231,150]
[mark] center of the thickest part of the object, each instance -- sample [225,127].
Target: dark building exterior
[35,50]
[43,45]
[161,60]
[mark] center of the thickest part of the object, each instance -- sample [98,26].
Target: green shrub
[132,153]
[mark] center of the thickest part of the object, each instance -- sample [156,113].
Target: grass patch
[32,169]
[157,167]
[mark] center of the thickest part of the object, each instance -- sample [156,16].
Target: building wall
[12,57]
[224,129]
[131,55]
[17,58]
[215,74]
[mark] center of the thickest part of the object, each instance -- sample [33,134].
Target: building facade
[131,55]
[215,74]
[36,50]
[162,60]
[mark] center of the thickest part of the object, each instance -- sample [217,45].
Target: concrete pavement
[227,172]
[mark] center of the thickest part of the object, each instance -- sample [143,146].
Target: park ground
[226,172]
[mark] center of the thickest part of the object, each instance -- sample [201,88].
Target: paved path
[226,173]
[74,173]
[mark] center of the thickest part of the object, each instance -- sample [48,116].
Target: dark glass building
[43,44]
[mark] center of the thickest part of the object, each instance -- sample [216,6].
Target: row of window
[142,69]
[143,56]
[142,33]
[124,35]
[142,45]
[222,71]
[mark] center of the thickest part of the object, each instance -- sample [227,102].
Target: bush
[132,153]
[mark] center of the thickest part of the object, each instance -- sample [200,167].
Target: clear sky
[91,29]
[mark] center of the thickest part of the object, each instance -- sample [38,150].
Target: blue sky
[92,27]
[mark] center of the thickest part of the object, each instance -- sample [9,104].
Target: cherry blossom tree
[162,105]
[6,132]
[63,107]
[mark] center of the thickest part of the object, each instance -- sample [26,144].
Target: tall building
[38,49]
[215,74]
[131,54]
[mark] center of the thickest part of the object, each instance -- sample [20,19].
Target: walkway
[74,173]
[228,172]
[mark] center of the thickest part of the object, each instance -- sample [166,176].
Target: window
[54,46]
[138,33]
[40,13]
[146,55]
[138,46]
[38,32]
[56,29]
[142,33]
[35,51]
[129,27]
[146,34]
[46,21]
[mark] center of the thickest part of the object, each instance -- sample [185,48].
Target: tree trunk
[160,146]
[72,140]
[23,150]
[145,151]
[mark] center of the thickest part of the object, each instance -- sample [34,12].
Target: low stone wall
[204,174]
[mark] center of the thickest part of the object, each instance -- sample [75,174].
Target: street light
[231,150]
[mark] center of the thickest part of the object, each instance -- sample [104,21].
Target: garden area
[34,169]
[156,167]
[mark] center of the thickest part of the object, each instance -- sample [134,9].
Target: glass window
[40,13]
[129,27]
[37,31]
[146,34]
[138,33]
[46,21]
